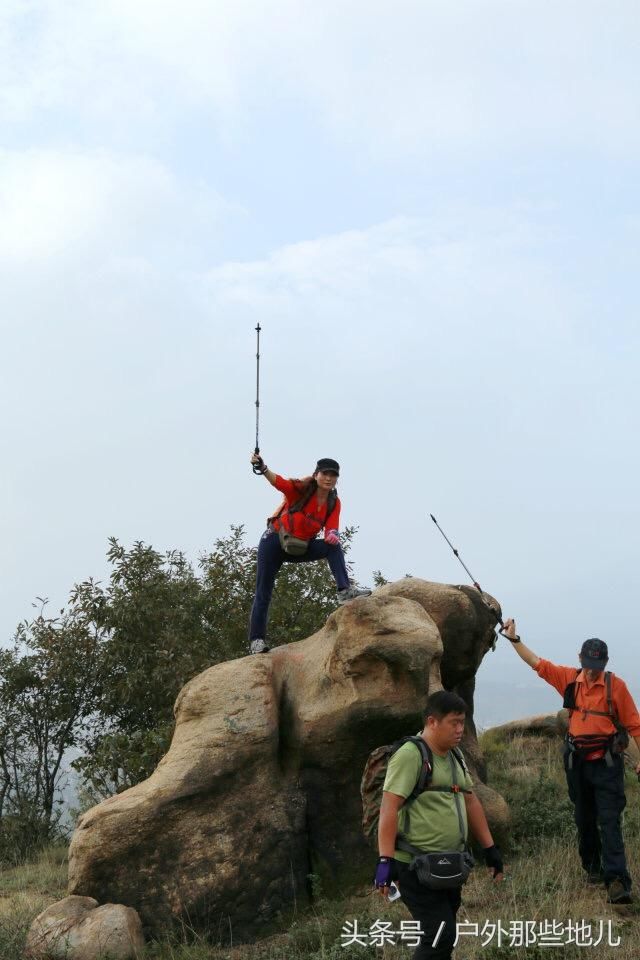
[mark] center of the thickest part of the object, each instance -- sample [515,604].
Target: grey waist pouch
[294,546]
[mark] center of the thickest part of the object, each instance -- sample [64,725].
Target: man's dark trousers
[431,908]
[271,556]
[597,793]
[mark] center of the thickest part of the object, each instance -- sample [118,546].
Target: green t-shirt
[433,822]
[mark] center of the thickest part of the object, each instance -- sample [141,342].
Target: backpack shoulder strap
[456,795]
[458,755]
[331,502]
[455,754]
[608,679]
[569,697]
[298,504]
[426,769]
[301,503]
[570,700]
[278,512]
[422,783]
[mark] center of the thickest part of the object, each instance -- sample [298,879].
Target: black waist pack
[443,871]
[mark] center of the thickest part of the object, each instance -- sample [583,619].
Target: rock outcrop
[260,787]
[76,928]
[553,725]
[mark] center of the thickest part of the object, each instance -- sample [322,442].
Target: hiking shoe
[258,646]
[594,879]
[618,893]
[350,593]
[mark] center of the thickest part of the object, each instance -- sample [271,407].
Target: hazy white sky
[432,208]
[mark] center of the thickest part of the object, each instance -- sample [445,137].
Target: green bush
[22,837]
[541,810]
[495,748]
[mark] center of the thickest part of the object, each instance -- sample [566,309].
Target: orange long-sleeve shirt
[592,697]
[307,523]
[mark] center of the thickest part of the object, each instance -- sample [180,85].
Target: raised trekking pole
[258,468]
[473,579]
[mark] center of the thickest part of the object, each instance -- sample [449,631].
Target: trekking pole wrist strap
[503,629]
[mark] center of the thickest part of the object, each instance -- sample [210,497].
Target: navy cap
[326,463]
[594,654]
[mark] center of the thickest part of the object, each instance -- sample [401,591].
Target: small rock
[76,928]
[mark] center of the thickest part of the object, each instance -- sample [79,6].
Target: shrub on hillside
[539,809]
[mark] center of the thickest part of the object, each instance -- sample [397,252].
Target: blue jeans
[271,556]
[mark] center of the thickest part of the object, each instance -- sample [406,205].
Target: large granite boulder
[260,787]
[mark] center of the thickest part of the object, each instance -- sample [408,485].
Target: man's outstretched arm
[523,651]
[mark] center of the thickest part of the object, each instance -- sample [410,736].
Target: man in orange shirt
[599,729]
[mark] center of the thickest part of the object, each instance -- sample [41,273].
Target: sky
[432,210]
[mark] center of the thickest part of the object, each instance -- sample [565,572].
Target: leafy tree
[104,675]
[49,682]
[151,614]
[163,624]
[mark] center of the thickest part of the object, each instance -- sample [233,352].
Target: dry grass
[544,883]
[25,891]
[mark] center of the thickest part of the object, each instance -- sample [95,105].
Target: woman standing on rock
[310,505]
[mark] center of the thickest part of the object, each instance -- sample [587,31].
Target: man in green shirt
[433,825]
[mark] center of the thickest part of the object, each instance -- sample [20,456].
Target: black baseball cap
[594,654]
[326,463]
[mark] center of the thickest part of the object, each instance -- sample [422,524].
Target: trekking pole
[471,576]
[257,467]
